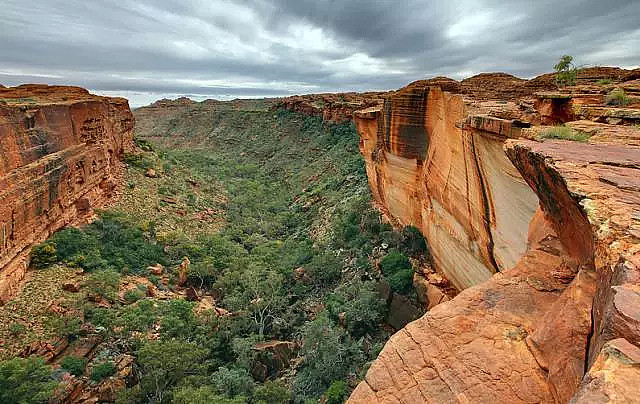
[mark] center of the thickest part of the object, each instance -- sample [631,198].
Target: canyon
[540,237]
[60,158]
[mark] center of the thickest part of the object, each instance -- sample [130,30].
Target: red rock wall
[60,152]
[559,325]
[430,167]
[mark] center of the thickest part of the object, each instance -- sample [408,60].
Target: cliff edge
[541,235]
[60,157]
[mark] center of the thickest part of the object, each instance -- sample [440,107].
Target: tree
[165,363]
[566,72]
[25,381]
[362,305]
[261,292]
[329,354]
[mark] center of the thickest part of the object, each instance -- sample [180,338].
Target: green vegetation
[102,371]
[74,365]
[274,213]
[604,82]
[398,271]
[617,97]
[25,381]
[565,133]
[566,72]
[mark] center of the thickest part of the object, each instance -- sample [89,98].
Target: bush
[16,329]
[362,305]
[604,82]
[329,354]
[617,97]
[566,72]
[272,392]
[232,382]
[103,284]
[564,133]
[203,395]
[74,365]
[102,371]
[133,295]
[398,271]
[108,243]
[337,392]
[25,381]
[324,269]
[43,255]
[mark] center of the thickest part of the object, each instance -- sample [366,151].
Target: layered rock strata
[60,157]
[544,236]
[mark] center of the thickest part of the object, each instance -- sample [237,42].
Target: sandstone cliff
[60,152]
[544,236]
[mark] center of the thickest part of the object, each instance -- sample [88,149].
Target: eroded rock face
[60,157]
[429,168]
[558,222]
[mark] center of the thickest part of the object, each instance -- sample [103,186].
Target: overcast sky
[145,50]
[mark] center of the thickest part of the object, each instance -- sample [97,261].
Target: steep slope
[60,151]
[555,220]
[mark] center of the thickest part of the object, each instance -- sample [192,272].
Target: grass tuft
[617,97]
[564,133]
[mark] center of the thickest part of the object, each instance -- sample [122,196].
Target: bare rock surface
[60,157]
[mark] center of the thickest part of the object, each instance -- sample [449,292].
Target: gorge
[533,238]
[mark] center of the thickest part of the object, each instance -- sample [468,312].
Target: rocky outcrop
[330,107]
[60,152]
[544,236]
[430,167]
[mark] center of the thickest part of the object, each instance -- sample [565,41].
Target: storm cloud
[145,50]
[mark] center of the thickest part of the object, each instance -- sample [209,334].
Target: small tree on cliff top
[566,72]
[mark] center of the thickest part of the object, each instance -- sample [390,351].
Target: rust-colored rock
[545,236]
[60,151]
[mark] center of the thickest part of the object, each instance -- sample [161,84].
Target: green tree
[261,292]
[566,72]
[25,381]
[329,354]
[203,395]
[361,304]
[272,392]
[164,363]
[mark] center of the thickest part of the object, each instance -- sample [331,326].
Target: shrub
[362,305]
[102,371]
[413,241]
[272,392]
[111,242]
[324,269]
[566,72]
[43,255]
[329,354]
[17,329]
[103,284]
[25,381]
[398,271]
[133,295]
[565,133]
[74,365]
[203,395]
[337,392]
[604,82]
[232,382]
[617,97]
[143,144]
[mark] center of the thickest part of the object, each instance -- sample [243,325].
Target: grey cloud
[280,47]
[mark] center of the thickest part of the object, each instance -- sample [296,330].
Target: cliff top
[42,94]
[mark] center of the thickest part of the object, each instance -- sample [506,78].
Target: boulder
[272,357]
